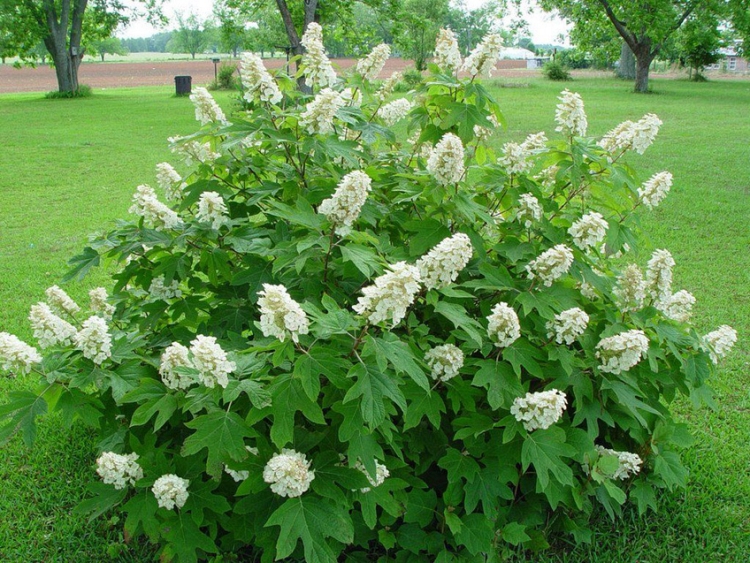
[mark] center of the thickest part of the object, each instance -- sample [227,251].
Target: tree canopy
[646,25]
[66,27]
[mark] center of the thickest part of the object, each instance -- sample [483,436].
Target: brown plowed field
[121,75]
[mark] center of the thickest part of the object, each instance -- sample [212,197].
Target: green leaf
[502,384]
[515,533]
[522,354]
[390,349]
[288,398]
[371,387]
[420,507]
[488,487]
[141,511]
[105,497]
[544,449]
[421,404]
[456,314]
[259,397]
[222,434]
[644,495]
[311,520]
[428,233]
[185,542]
[303,214]
[202,499]
[163,407]
[477,534]
[21,412]
[459,466]
[365,259]
[669,467]
[81,264]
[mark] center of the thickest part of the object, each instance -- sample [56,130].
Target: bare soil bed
[123,75]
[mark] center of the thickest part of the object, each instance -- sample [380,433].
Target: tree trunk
[294,39]
[65,50]
[643,60]
[626,68]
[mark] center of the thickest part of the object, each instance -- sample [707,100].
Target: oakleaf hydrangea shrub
[327,339]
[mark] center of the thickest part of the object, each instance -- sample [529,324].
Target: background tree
[65,27]
[470,26]
[107,46]
[232,27]
[416,26]
[698,45]
[191,35]
[644,25]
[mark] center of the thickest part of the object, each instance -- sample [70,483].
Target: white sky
[544,27]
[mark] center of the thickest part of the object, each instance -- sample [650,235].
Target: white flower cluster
[386,89]
[481,61]
[343,207]
[288,473]
[175,356]
[212,209]
[679,307]
[281,315]
[316,65]
[211,361]
[514,159]
[169,181]
[193,150]
[630,463]
[171,491]
[570,115]
[49,329]
[589,230]
[535,143]
[622,351]
[395,111]
[503,327]
[719,342]
[628,135]
[441,265]
[94,340]
[659,276]
[381,474]
[352,97]
[446,161]
[529,210]
[483,133]
[158,291]
[372,64]
[539,410]
[206,109]
[391,295]
[119,470]
[444,361]
[99,304]
[568,326]
[318,115]
[548,176]
[631,288]
[655,189]
[551,264]
[447,53]
[61,301]
[257,81]
[146,205]
[239,475]
[16,355]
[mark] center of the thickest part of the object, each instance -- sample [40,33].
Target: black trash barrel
[183,85]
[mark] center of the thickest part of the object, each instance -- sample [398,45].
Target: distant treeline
[155,44]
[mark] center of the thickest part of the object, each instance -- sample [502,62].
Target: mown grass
[70,167]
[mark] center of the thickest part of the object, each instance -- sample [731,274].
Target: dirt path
[122,75]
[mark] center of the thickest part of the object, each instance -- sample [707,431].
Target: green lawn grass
[69,168]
